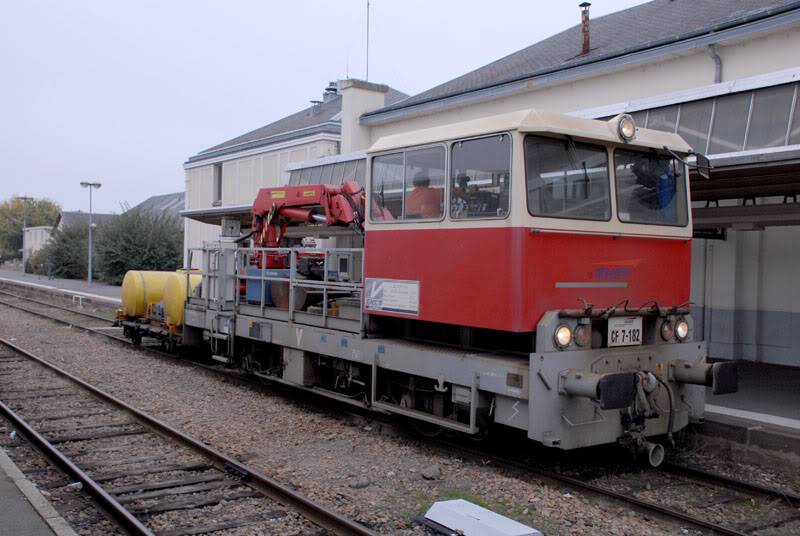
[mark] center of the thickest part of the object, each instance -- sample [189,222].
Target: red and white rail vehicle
[529,270]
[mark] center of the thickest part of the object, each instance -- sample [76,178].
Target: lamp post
[91,186]
[24,200]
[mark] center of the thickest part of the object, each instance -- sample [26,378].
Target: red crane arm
[274,208]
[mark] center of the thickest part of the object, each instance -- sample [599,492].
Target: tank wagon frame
[533,295]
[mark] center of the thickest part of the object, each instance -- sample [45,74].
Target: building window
[566,179]
[217,193]
[480,170]
[770,117]
[694,123]
[730,123]
[663,118]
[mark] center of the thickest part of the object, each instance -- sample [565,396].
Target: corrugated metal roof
[638,28]
[169,204]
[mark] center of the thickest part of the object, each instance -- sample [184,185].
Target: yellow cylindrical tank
[175,295]
[141,288]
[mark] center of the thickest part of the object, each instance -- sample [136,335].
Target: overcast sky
[124,92]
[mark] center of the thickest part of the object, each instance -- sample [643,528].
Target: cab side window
[408,185]
[480,172]
[567,179]
[424,190]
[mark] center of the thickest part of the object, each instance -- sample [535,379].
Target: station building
[724,75]
[227,177]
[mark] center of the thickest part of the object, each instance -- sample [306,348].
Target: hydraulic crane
[275,208]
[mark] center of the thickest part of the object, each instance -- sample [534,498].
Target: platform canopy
[749,190]
[215,215]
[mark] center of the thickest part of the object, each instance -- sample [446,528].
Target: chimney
[331,92]
[315,106]
[585,27]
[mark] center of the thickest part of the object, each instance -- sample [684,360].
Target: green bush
[65,254]
[137,240]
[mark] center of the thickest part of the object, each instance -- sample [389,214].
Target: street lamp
[24,200]
[91,186]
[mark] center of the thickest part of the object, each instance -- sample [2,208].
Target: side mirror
[703,165]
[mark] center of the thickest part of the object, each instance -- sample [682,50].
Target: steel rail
[683,470]
[106,500]
[82,313]
[592,488]
[309,508]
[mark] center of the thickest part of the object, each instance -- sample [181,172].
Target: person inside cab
[424,202]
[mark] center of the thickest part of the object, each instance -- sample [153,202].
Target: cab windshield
[651,188]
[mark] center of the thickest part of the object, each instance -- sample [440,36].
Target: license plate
[625,331]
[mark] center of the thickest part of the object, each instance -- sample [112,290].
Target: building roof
[322,117]
[70,218]
[646,26]
[169,204]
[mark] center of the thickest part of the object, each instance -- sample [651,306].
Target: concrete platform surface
[765,413]
[23,509]
[763,388]
[75,286]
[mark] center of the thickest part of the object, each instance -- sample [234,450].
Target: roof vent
[331,92]
[585,26]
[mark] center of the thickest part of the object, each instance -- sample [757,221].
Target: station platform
[23,509]
[98,291]
[764,413]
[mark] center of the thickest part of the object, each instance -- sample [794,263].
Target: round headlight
[667,330]
[562,336]
[626,127]
[681,329]
[583,335]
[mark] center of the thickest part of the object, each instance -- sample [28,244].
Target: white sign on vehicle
[625,331]
[392,296]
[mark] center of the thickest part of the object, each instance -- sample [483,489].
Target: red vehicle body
[506,278]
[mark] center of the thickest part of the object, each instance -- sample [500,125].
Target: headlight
[626,127]
[667,331]
[681,329]
[583,335]
[562,336]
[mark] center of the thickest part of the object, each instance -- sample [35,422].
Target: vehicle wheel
[427,429]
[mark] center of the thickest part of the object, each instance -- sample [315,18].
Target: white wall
[35,238]
[745,294]
[241,179]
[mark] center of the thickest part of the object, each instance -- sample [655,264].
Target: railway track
[713,503]
[150,477]
[719,499]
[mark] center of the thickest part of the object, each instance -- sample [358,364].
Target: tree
[65,253]
[37,212]
[137,240]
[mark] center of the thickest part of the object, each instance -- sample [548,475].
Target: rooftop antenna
[367,78]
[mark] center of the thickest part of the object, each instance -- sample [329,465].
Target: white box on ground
[472,520]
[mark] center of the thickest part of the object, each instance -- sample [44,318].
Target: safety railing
[304,285]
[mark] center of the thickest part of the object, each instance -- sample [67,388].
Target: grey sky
[124,92]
